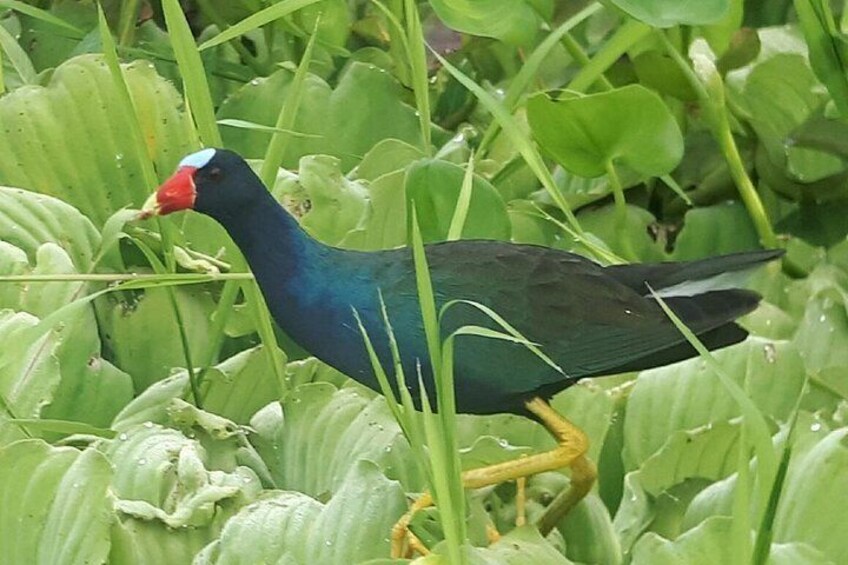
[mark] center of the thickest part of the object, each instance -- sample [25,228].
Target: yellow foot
[404,542]
[570,451]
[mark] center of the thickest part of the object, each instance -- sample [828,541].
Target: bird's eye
[215,173]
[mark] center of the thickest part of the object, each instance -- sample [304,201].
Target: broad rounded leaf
[28,220]
[71,140]
[518,547]
[162,476]
[512,21]
[144,336]
[823,331]
[365,107]
[715,230]
[688,395]
[56,506]
[708,452]
[434,187]
[778,96]
[668,13]
[239,386]
[630,126]
[815,496]
[321,432]
[290,527]
[710,542]
[329,205]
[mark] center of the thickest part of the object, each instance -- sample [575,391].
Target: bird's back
[588,319]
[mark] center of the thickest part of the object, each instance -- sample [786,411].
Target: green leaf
[81,103]
[687,395]
[255,20]
[66,519]
[709,452]
[709,542]
[521,545]
[434,187]
[365,107]
[658,71]
[162,476]
[143,335]
[630,126]
[815,496]
[329,205]
[385,157]
[669,13]
[170,496]
[321,432]
[513,21]
[28,220]
[388,201]
[239,386]
[824,134]
[17,56]
[152,404]
[629,239]
[822,331]
[290,527]
[288,113]
[517,136]
[778,96]
[715,230]
[39,14]
[194,75]
[817,22]
[89,389]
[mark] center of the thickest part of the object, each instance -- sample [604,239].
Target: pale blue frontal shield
[199,159]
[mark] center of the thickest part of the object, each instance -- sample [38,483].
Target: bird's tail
[693,277]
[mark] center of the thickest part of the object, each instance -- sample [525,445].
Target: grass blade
[441,432]
[418,68]
[287,115]
[523,79]
[253,126]
[43,15]
[110,54]
[761,438]
[622,40]
[460,213]
[259,19]
[194,76]
[510,330]
[18,57]
[518,136]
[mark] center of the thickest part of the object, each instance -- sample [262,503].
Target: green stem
[621,41]
[521,82]
[716,110]
[126,22]
[418,71]
[171,267]
[219,321]
[620,211]
[747,191]
[581,58]
[618,194]
[193,379]
[242,51]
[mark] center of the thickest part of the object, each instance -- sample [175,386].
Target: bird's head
[216,182]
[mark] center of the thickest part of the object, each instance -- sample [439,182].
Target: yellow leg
[570,451]
[520,501]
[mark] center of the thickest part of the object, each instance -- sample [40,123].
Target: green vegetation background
[627,131]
